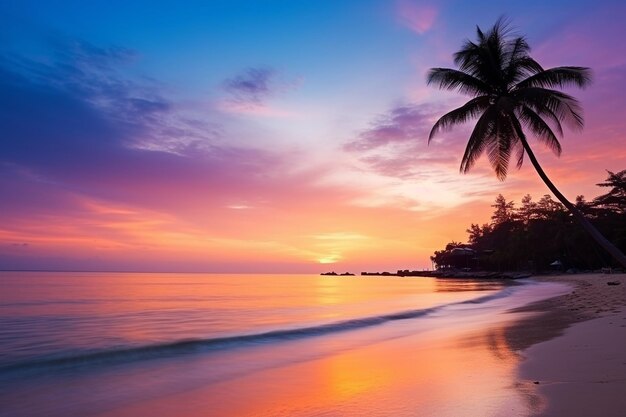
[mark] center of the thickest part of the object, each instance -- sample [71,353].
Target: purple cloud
[79,130]
[396,144]
[253,86]
[402,124]
[74,121]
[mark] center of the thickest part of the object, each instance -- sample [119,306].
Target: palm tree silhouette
[511,92]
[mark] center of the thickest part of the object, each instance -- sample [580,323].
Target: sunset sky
[268,136]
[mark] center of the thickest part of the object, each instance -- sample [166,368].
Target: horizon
[269,137]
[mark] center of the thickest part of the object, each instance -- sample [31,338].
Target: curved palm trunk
[586,224]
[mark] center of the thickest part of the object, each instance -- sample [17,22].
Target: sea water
[132,344]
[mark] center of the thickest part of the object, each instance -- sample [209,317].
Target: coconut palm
[512,94]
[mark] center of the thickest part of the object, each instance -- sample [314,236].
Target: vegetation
[512,95]
[536,234]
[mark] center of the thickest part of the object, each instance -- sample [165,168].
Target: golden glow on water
[458,360]
[147,308]
[438,373]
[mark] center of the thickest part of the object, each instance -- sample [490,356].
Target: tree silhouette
[616,198]
[511,92]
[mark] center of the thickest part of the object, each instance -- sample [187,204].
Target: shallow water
[80,344]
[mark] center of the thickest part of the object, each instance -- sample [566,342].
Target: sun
[330,259]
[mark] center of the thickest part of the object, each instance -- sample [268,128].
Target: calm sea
[122,343]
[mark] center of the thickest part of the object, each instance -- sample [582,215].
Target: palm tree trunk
[586,224]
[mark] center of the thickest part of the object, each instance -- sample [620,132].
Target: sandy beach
[574,348]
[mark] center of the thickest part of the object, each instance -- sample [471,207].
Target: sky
[269,136]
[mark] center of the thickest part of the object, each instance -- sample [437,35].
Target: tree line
[542,235]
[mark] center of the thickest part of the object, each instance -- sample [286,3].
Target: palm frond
[565,107]
[478,139]
[516,49]
[550,118]
[468,58]
[460,115]
[519,148]
[466,51]
[483,65]
[495,48]
[501,146]
[519,132]
[483,59]
[451,79]
[529,65]
[558,77]
[514,52]
[521,68]
[540,129]
[480,34]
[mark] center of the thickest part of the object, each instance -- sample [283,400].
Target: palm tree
[511,92]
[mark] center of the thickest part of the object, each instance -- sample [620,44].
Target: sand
[575,349]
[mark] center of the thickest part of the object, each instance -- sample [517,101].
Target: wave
[187,346]
[505,292]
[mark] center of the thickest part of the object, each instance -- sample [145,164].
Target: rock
[613,283]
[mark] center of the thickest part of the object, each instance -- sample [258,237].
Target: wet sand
[575,348]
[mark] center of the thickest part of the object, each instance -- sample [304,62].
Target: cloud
[253,86]
[255,109]
[250,91]
[408,164]
[340,236]
[401,124]
[418,17]
[239,207]
[403,171]
[81,94]
[73,130]
[74,121]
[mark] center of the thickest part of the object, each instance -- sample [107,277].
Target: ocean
[167,344]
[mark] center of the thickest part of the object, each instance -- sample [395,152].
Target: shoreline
[573,348]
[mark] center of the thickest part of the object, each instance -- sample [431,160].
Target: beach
[580,367]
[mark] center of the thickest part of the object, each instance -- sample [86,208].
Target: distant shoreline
[438,274]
